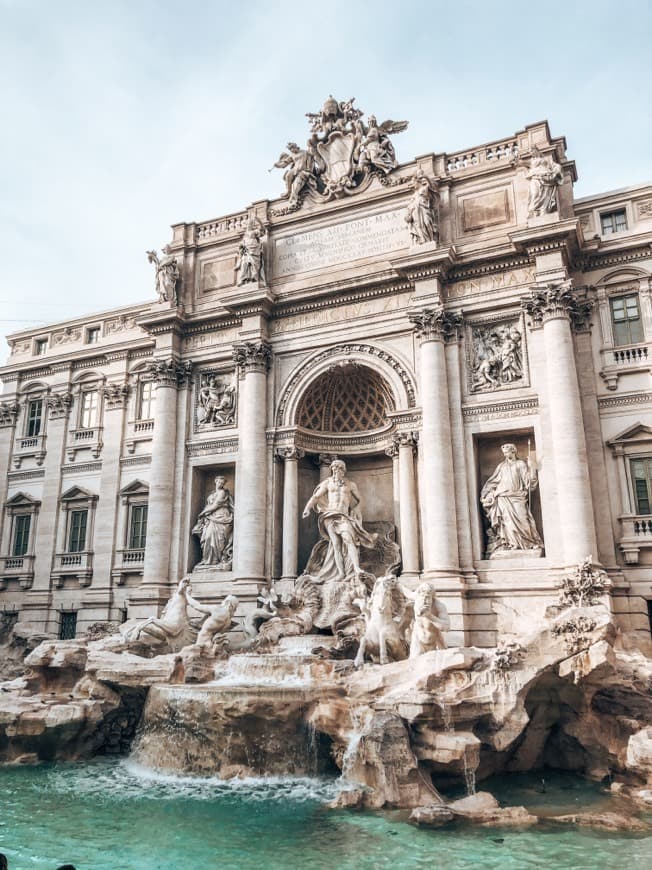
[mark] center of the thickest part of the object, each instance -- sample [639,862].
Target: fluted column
[252,359]
[58,411]
[434,326]
[555,307]
[98,598]
[406,443]
[169,375]
[290,457]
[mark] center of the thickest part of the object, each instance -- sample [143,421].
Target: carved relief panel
[215,400]
[496,355]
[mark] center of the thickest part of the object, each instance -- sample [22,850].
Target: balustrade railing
[498,151]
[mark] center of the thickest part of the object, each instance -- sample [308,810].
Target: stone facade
[410,319]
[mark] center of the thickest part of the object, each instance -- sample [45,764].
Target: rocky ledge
[566,696]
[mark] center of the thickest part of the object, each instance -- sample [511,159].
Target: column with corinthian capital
[555,307]
[169,375]
[252,359]
[433,327]
[290,457]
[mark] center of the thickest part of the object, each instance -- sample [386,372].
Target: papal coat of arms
[341,156]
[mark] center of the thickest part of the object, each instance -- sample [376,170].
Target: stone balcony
[80,439]
[628,359]
[20,568]
[635,535]
[127,561]
[29,446]
[79,565]
[138,431]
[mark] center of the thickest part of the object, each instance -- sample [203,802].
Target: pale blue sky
[121,118]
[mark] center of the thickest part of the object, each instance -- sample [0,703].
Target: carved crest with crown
[341,156]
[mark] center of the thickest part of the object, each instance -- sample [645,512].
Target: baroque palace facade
[410,319]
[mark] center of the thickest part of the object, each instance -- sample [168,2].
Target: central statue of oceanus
[337,503]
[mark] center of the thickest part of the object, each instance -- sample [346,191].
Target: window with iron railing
[68,625]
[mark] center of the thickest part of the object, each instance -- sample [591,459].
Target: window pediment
[635,436]
[78,493]
[135,488]
[22,500]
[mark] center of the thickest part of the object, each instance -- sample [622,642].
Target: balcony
[128,561]
[138,431]
[629,359]
[78,565]
[30,445]
[635,535]
[80,439]
[19,568]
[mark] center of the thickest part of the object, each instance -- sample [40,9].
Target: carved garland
[346,350]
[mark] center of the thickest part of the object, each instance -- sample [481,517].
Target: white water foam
[126,780]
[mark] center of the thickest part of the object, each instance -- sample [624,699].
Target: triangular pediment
[136,487]
[77,493]
[22,499]
[638,432]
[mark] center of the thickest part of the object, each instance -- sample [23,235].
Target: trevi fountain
[378,620]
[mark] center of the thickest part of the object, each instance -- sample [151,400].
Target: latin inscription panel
[341,243]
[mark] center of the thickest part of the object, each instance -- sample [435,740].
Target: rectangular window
[34,417]
[68,625]
[642,480]
[92,335]
[22,523]
[40,346]
[626,319]
[147,400]
[77,531]
[89,405]
[138,527]
[613,222]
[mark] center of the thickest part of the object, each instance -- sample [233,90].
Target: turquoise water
[110,814]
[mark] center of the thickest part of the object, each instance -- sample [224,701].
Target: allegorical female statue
[214,527]
[505,498]
[544,176]
[167,274]
[421,211]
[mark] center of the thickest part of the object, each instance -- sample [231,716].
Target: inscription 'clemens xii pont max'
[352,240]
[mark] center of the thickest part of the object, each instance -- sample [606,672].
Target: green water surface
[111,814]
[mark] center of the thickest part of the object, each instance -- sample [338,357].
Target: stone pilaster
[406,443]
[97,599]
[433,327]
[554,307]
[169,375]
[290,457]
[37,599]
[252,359]
[8,415]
